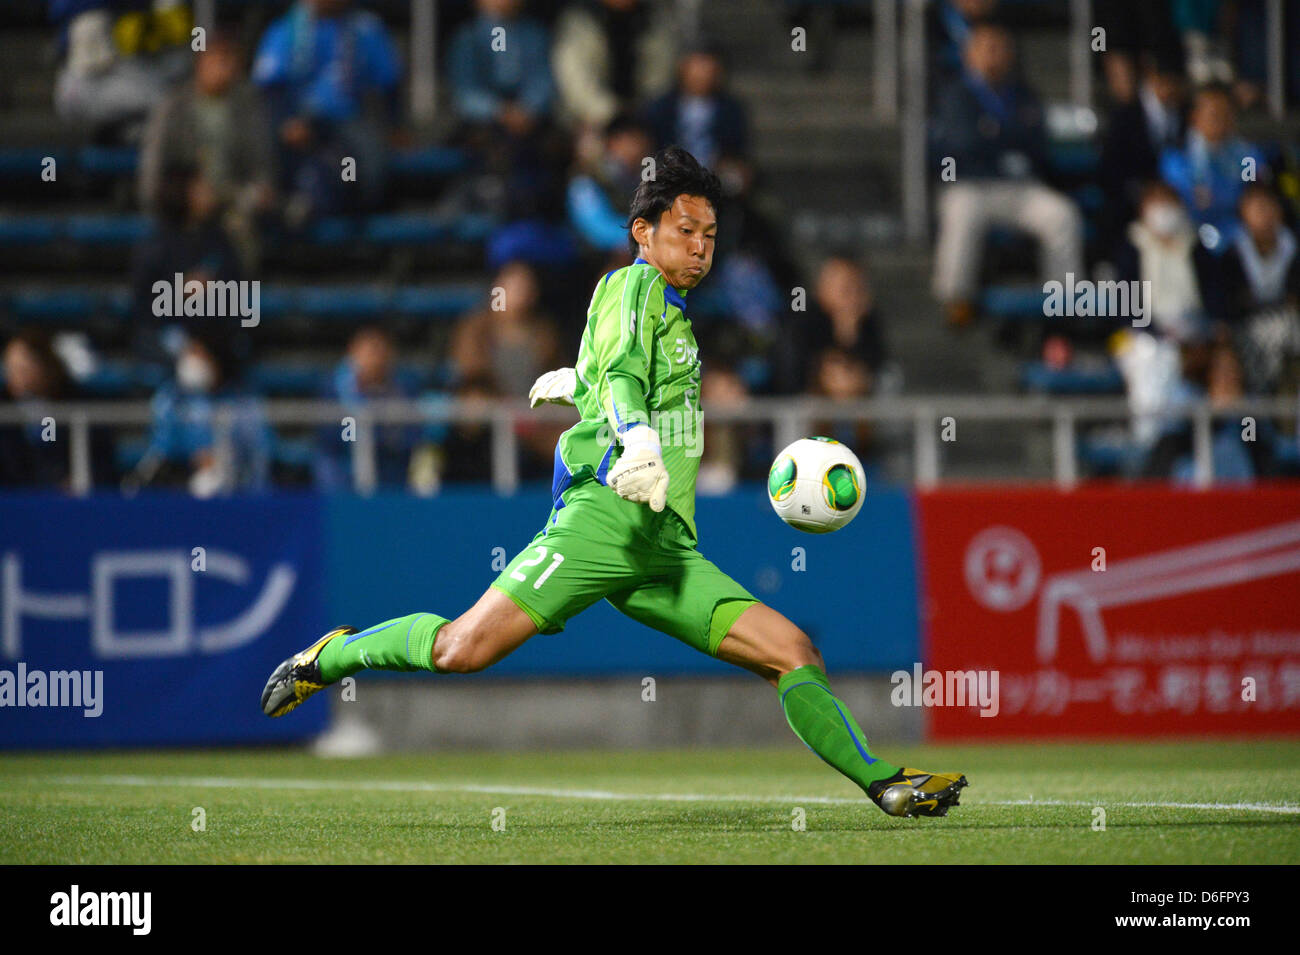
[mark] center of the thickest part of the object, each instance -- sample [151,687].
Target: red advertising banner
[1111,611]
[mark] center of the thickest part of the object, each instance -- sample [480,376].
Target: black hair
[677,173]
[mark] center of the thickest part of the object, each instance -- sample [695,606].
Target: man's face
[328,8]
[1213,118]
[681,244]
[630,147]
[372,357]
[216,70]
[1168,88]
[701,74]
[1261,215]
[23,373]
[499,9]
[989,54]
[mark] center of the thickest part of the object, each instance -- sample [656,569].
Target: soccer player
[622,522]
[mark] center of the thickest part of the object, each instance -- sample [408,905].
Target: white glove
[555,386]
[639,474]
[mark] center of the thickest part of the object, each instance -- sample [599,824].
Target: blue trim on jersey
[560,478]
[671,295]
[604,464]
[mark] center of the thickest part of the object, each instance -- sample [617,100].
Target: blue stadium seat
[109,160]
[1011,301]
[117,378]
[352,302]
[22,163]
[1036,376]
[428,162]
[107,229]
[437,300]
[28,230]
[53,305]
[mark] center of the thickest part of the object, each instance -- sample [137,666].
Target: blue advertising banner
[154,620]
[854,591]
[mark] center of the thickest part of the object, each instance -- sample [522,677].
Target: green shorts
[596,544]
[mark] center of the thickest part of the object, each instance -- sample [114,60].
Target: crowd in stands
[264,135]
[1199,215]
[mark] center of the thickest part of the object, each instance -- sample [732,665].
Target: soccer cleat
[297,677]
[911,792]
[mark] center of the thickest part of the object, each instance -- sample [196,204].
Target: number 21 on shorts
[556,560]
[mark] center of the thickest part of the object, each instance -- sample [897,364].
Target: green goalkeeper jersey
[638,362]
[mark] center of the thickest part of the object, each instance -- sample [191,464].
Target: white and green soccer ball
[816,485]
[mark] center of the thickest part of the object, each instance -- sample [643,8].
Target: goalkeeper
[622,521]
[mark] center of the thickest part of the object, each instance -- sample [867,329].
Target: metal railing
[789,418]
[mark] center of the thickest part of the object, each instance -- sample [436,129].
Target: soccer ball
[815,485]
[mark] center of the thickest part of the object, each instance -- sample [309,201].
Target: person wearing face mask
[1162,247]
[187,445]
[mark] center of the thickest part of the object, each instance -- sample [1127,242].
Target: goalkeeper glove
[639,474]
[554,386]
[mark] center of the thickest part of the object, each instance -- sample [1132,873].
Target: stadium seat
[1037,376]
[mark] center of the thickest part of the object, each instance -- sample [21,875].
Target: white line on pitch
[415,786]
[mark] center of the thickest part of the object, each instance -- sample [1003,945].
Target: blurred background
[425,211]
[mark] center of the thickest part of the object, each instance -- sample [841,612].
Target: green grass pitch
[1202,802]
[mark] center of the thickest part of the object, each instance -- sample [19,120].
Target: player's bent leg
[767,643]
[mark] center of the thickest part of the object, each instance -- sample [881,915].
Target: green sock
[827,727]
[405,643]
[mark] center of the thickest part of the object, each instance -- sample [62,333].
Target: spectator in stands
[1138,36]
[990,126]
[842,376]
[1233,459]
[1261,268]
[509,341]
[217,124]
[368,373]
[118,61]
[464,454]
[191,240]
[1260,294]
[609,54]
[600,194]
[499,72]
[704,119]
[1162,247]
[1208,170]
[37,452]
[188,445]
[726,447]
[843,315]
[1137,133]
[331,75]
[948,28]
